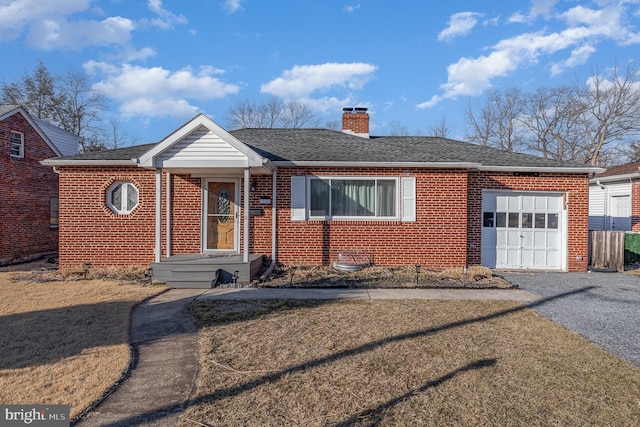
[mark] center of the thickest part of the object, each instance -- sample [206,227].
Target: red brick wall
[91,232]
[446,233]
[355,122]
[635,206]
[578,215]
[436,240]
[26,187]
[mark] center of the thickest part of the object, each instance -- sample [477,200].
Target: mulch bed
[309,276]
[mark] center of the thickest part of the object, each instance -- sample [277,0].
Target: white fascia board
[68,162]
[561,169]
[613,178]
[440,165]
[199,164]
[148,159]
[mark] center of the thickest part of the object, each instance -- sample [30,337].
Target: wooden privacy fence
[607,250]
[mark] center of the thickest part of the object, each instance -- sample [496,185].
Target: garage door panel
[539,239]
[513,257]
[501,238]
[513,238]
[529,230]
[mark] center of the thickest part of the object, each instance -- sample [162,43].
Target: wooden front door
[221,216]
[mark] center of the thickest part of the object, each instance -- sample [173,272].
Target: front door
[221,216]
[621,213]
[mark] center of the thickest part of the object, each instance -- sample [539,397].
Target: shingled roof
[291,146]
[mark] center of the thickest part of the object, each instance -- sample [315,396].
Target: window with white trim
[353,198]
[122,197]
[17,144]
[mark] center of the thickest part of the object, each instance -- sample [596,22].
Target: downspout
[604,204]
[274,228]
[168,214]
[158,251]
[245,254]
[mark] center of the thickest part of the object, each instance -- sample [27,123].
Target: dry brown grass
[389,277]
[463,363]
[64,342]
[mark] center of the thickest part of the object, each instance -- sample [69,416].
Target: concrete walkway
[158,388]
[164,339]
[345,293]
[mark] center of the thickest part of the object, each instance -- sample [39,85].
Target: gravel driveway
[603,307]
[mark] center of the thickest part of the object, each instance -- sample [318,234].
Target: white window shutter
[298,198]
[408,199]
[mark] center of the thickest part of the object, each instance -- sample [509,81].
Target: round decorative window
[223,205]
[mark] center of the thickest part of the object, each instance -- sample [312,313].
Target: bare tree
[271,114]
[609,111]
[36,92]
[80,107]
[67,101]
[553,131]
[439,129]
[397,129]
[499,122]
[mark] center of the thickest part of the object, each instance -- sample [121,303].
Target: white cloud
[303,80]
[538,8]
[578,56]
[17,15]
[585,29]
[351,9]
[157,92]
[166,19]
[460,24]
[48,24]
[232,6]
[61,34]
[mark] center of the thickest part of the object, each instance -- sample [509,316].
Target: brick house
[29,196]
[302,195]
[614,199]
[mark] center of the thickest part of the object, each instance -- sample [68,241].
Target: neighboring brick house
[302,195]
[614,199]
[29,190]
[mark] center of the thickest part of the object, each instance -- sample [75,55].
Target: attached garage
[524,230]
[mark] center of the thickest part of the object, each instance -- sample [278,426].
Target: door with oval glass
[222,213]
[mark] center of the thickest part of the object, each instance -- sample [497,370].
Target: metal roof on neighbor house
[65,141]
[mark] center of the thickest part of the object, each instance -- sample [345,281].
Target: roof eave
[546,169]
[612,178]
[79,162]
[440,165]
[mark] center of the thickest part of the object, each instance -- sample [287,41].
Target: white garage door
[523,230]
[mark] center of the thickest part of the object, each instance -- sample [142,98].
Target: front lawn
[64,342]
[353,363]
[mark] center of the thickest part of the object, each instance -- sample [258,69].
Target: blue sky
[410,62]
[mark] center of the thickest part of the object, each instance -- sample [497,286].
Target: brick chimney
[355,121]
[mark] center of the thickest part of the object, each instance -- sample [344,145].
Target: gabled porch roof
[202,146]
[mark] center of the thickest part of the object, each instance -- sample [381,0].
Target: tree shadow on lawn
[273,377]
[44,336]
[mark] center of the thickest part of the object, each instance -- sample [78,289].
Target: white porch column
[247,178]
[274,217]
[158,250]
[168,214]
